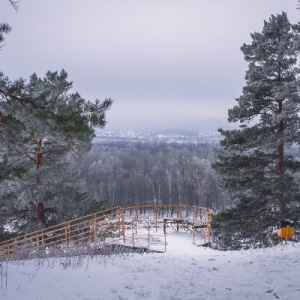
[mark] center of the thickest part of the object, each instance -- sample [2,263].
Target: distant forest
[135,173]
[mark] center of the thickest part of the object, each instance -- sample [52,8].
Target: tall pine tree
[44,131]
[260,171]
[43,128]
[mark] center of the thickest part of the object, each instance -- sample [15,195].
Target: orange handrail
[104,225]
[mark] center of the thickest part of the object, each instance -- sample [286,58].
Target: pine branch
[52,151]
[58,151]
[21,100]
[4,28]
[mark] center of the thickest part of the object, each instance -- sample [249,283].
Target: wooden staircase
[110,226]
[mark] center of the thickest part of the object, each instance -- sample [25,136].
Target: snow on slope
[184,272]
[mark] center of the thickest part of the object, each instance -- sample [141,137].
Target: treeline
[128,173]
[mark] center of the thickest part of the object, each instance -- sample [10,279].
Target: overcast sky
[158,59]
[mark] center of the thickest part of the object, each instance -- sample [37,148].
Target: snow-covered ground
[184,272]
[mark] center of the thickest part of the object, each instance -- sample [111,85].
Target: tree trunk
[280,147]
[41,212]
[281,159]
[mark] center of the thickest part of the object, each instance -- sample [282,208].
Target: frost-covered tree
[127,173]
[43,128]
[259,170]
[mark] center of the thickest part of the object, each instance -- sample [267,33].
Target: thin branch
[30,157]
[52,151]
[14,4]
[58,151]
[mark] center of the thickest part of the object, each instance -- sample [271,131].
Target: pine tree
[43,129]
[260,169]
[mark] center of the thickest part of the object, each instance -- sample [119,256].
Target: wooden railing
[104,227]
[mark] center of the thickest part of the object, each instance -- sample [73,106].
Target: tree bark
[280,147]
[41,212]
[281,169]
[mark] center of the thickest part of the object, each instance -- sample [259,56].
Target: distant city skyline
[162,61]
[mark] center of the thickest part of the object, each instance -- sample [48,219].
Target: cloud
[139,51]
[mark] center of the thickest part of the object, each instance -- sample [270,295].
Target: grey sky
[158,59]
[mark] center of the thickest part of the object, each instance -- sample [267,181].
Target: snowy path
[184,272]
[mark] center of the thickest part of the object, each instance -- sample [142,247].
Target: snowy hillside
[184,272]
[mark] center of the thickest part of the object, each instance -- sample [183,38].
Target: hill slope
[184,272]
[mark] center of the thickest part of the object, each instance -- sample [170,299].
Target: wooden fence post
[209,226]
[43,237]
[148,232]
[67,233]
[123,225]
[156,217]
[95,228]
[132,231]
[177,214]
